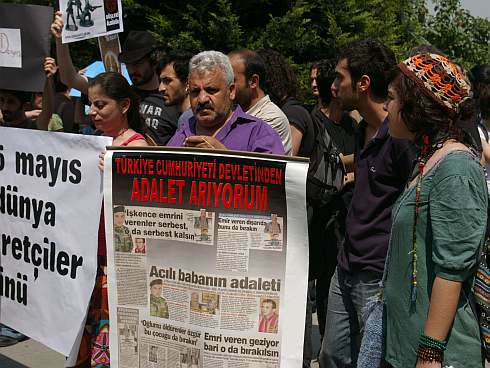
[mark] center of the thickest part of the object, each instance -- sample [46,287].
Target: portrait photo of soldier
[158,305]
[122,235]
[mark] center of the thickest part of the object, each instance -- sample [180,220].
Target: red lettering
[162,198]
[116,161]
[245,173]
[154,191]
[227,197]
[202,193]
[238,196]
[193,195]
[261,198]
[249,197]
[217,188]
[135,192]
[180,184]
[171,191]
[145,190]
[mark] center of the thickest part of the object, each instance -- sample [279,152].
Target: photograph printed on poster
[205,302]
[78,16]
[158,304]
[269,315]
[123,242]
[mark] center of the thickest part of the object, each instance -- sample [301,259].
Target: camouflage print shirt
[158,307]
[122,239]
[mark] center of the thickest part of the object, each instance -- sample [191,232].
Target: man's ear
[364,83]
[232,90]
[125,104]
[254,81]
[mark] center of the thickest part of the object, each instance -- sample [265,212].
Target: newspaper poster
[25,39]
[50,204]
[207,258]
[85,19]
[110,48]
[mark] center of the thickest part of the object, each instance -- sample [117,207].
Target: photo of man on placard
[158,304]
[268,319]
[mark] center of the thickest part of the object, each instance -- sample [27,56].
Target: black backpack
[326,173]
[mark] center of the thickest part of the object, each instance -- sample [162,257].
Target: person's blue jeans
[347,297]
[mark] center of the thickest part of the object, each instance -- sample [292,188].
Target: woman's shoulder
[135,139]
[459,163]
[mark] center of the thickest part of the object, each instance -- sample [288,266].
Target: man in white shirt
[249,71]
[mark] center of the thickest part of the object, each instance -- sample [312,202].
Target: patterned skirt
[94,347]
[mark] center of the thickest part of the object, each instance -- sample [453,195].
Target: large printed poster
[207,259]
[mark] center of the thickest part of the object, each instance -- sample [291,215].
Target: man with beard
[250,76]
[12,109]
[382,169]
[136,53]
[173,70]
[216,123]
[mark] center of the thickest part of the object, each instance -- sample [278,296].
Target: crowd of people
[410,221]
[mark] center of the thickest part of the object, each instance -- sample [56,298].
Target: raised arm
[42,121]
[68,73]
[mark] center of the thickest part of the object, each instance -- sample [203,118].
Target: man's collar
[270,317]
[382,130]
[236,117]
[258,105]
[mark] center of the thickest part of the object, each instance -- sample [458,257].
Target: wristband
[430,355]
[430,342]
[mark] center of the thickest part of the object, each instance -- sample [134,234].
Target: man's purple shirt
[242,132]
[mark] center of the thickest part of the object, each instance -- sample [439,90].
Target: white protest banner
[207,258]
[10,48]
[85,19]
[50,203]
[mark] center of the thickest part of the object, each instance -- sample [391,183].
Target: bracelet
[430,355]
[432,343]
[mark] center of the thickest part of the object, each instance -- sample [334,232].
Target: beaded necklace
[426,153]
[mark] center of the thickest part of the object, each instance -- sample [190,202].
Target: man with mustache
[217,123]
[138,53]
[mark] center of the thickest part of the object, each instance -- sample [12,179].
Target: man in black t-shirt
[137,52]
[340,126]
[12,108]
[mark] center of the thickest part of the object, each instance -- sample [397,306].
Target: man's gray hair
[207,61]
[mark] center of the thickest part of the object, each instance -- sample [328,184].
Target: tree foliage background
[303,30]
